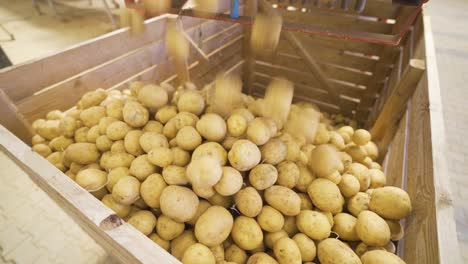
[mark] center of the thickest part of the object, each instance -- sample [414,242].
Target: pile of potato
[216,176]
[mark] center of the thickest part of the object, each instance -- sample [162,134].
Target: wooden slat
[13,120]
[395,104]
[24,80]
[250,9]
[336,21]
[118,238]
[396,156]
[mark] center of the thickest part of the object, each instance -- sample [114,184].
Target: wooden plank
[13,120]
[394,167]
[395,104]
[250,9]
[329,55]
[118,238]
[338,21]
[24,80]
[429,118]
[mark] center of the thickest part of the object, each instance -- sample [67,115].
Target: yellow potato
[358,203]
[211,149]
[322,136]
[135,114]
[258,132]
[198,254]
[42,149]
[191,101]
[380,257]
[244,155]
[244,113]
[92,98]
[235,254]
[396,229]
[91,116]
[306,247]
[204,172]
[236,125]
[178,203]
[120,209]
[261,258]
[249,202]
[82,153]
[271,238]
[283,199]
[151,189]
[115,109]
[126,190]
[274,151]
[91,179]
[118,147]
[377,178]
[144,221]
[287,251]
[349,185]
[117,130]
[36,139]
[314,224]
[332,251]
[361,137]
[305,178]
[114,176]
[168,229]
[230,183]
[212,127]
[345,226]
[141,167]
[188,138]
[372,150]
[174,175]
[152,96]
[263,176]
[180,244]
[224,201]
[93,134]
[246,233]
[358,153]
[326,196]
[325,160]
[132,142]
[372,229]
[390,203]
[181,157]
[270,219]
[202,207]
[150,140]
[288,174]
[49,129]
[68,126]
[161,156]
[166,245]
[214,226]
[165,113]
[81,134]
[103,143]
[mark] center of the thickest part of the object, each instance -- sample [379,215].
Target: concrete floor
[37,36]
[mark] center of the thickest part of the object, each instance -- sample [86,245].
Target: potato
[248,116]
[198,254]
[337,140]
[358,203]
[170,130]
[135,114]
[140,203]
[103,143]
[390,203]
[235,254]
[188,138]
[228,142]
[181,157]
[153,126]
[271,238]
[212,127]
[314,224]
[92,115]
[54,115]
[270,219]
[261,258]
[345,226]
[115,109]
[213,226]
[166,245]
[288,174]
[377,178]
[306,247]
[118,147]
[367,162]
[180,244]
[380,257]
[168,229]
[49,129]
[42,149]
[161,156]
[144,221]
[224,201]
[396,229]
[230,183]
[68,126]
[236,125]
[91,179]
[375,165]
[346,132]
[358,153]
[92,98]
[249,202]
[349,185]
[274,151]
[56,158]
[126,190]
[117,130]
[246,233]
[211,149]
[322,136]
[325,160]
[150,140]
[115,175]
[111,160]
[326,196]
[287,251]
[191,101]
[258,131]
[263,176]
[152,96]
[372,229]
[82,153]
[361,137]
[306,203]
[202,207]
[132,142]
[174,175]
[204,191]
[244,155]
[151,189]
[93,134]
[120,209]
[283,199]
[165,113]
[204,172]
[372,150]
[36,139]
[178,203]
[332,251]
[81,135]
[141,167]
[305,178]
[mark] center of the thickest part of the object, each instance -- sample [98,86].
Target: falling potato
[265,36]
[156,7]
[206,8]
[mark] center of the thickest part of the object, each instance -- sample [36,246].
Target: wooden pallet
[395,93]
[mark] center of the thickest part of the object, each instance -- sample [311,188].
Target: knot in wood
[111,222]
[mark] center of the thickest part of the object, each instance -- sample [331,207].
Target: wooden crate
[392,90]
